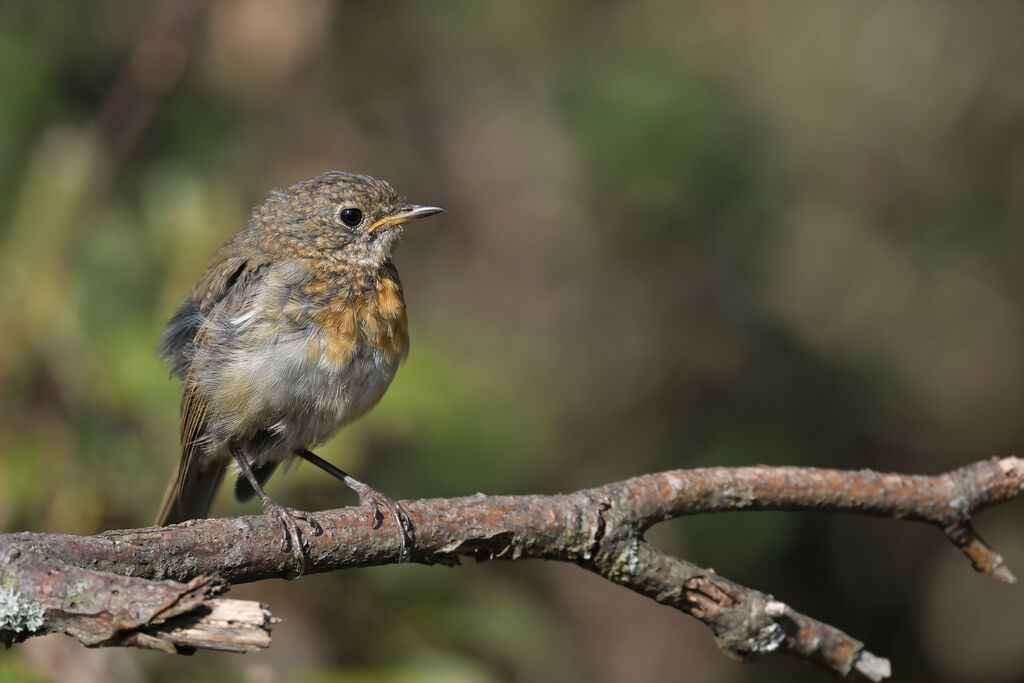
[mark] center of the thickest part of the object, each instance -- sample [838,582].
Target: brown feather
[193,486]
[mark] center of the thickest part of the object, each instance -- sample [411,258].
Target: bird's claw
[292,536]
[375,500]
[397,512]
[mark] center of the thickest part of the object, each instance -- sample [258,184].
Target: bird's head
[344,216]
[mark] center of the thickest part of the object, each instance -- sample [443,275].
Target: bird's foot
[375,500]
[292,536]
[370,497]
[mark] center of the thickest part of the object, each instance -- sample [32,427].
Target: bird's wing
[231,270]
[195,482]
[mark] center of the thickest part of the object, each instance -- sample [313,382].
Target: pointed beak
[409,212]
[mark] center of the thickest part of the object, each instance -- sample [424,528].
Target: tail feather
[194,482]
[191,493]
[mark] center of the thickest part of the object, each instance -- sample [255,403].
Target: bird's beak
[407,213]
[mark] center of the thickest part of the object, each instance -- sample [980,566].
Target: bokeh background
[678,234]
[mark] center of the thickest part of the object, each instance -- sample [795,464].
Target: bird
[296,328]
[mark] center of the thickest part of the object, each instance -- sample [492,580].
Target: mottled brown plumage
[295,329]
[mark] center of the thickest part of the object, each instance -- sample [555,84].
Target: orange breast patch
[391,321]
[376,320]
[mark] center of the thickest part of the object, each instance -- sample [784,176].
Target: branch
[98,608]
[600,529]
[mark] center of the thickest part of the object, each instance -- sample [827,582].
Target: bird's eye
[351,216]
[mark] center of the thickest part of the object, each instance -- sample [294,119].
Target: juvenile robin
[295,329]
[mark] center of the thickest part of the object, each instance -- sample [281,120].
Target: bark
[156,587]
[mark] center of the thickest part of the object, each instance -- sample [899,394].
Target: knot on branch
[501,545]
[742,630]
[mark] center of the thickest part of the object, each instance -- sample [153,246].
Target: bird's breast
[354,346]
[372,323]
[302,361]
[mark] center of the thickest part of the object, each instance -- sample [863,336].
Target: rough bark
[145,584]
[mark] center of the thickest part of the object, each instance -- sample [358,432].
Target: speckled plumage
[295,329]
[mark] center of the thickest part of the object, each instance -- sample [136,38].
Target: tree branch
[600,529]
[100,608]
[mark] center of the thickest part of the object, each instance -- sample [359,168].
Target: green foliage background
[678,234]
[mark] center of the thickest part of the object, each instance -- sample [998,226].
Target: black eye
[351,216]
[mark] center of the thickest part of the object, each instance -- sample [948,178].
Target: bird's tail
[196,478]
[190,493]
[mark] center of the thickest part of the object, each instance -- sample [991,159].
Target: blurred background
[678,234]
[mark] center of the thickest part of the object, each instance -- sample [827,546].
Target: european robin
[295,329]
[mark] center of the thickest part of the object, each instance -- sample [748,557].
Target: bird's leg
[285,515]
[368,496]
